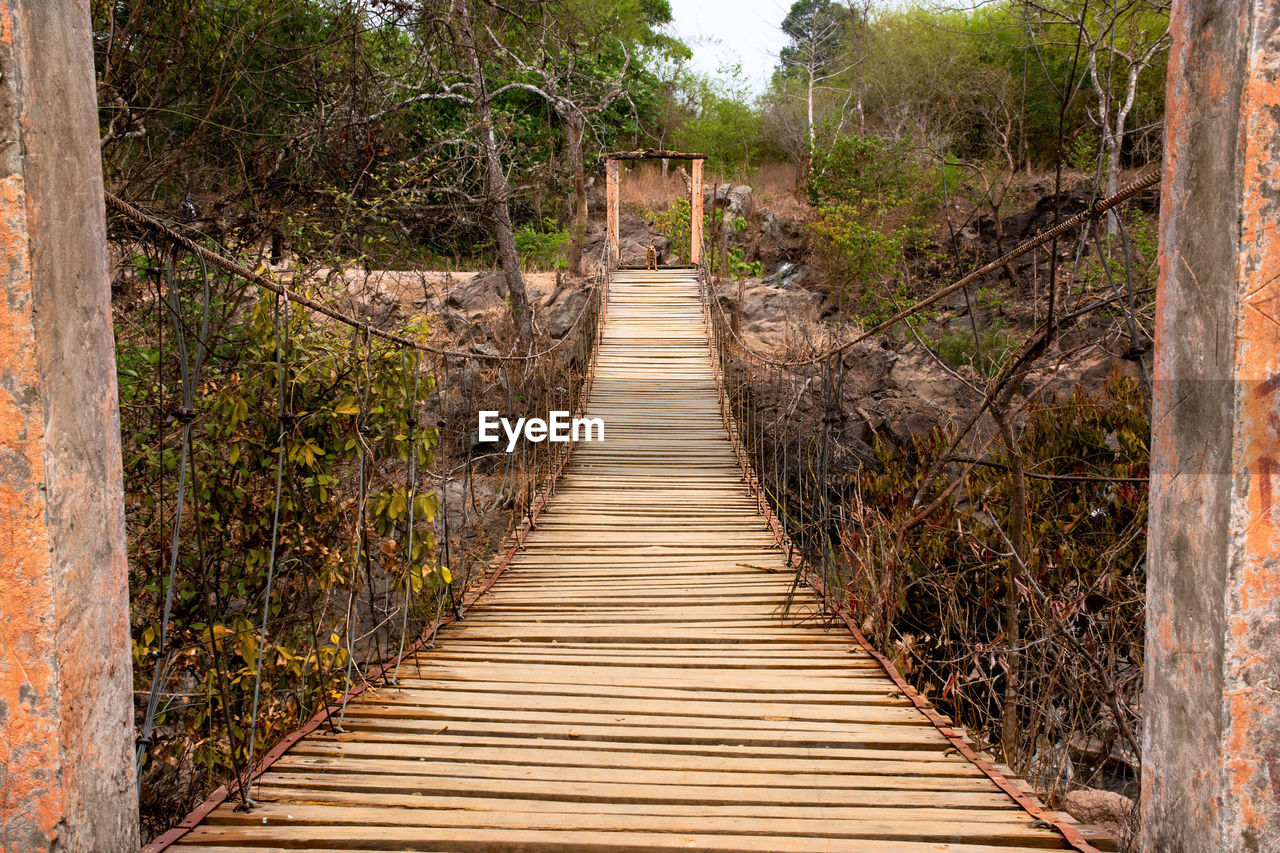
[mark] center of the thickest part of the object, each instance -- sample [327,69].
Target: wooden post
[611,207]
[695,213]
[67,778]
[1211,710]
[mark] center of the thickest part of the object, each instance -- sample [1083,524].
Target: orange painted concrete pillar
[1211,707]
[66,707]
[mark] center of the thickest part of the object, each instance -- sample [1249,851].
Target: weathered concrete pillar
[1211,731]
[66,719]
[611,209]
[695,214]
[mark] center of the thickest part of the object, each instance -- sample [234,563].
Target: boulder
[564,315]
[867,367]
[780,241]
[377,305]
[769,312]
[481,291]
[1111,812]
[736,198]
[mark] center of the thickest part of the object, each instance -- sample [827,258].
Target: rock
[780,241]
[868,366]
[1087,374]
[566,313]
[789,275]
[1111,812]
[1040,217]
[377,305]
[483,290]
[769,312]
[736,198]
[916,372]
[455,321]
[634,237]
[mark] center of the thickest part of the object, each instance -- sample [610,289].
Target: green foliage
[957,345]
[860,249]
[673,223]
[871,171]
[739,267]
[978,83]
[871,198]
[313,120]
[724,122]
[1082,152]
[542,248]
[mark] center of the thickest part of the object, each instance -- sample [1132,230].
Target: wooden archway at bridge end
[612,162]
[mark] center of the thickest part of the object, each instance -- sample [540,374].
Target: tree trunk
[578,230]
[498,187]
[500,212]
[809,118]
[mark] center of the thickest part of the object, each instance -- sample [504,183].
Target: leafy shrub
[346,419]
[870,170]
[673,223]
[958,347]
[860,250]
[542,246]
[871,196]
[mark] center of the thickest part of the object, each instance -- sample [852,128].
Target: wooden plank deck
[631,684]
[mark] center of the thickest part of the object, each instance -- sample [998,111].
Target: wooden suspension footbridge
[637,680]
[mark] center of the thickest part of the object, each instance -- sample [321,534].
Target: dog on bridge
[651,258]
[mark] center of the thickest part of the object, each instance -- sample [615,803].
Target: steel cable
[189,376]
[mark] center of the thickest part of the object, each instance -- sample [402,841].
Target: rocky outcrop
[563,313]
[735,198]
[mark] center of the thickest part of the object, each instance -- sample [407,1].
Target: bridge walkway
[634,681]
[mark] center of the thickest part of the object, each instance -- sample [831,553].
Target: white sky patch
[729,32]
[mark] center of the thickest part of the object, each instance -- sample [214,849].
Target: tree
[818,52]
[725,122]
[497,198]
[1121,40]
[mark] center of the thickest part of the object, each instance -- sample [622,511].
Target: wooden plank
[519,789]
[487,839]
[874,762]
[868,823]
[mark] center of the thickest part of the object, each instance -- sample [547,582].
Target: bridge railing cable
[307,496]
